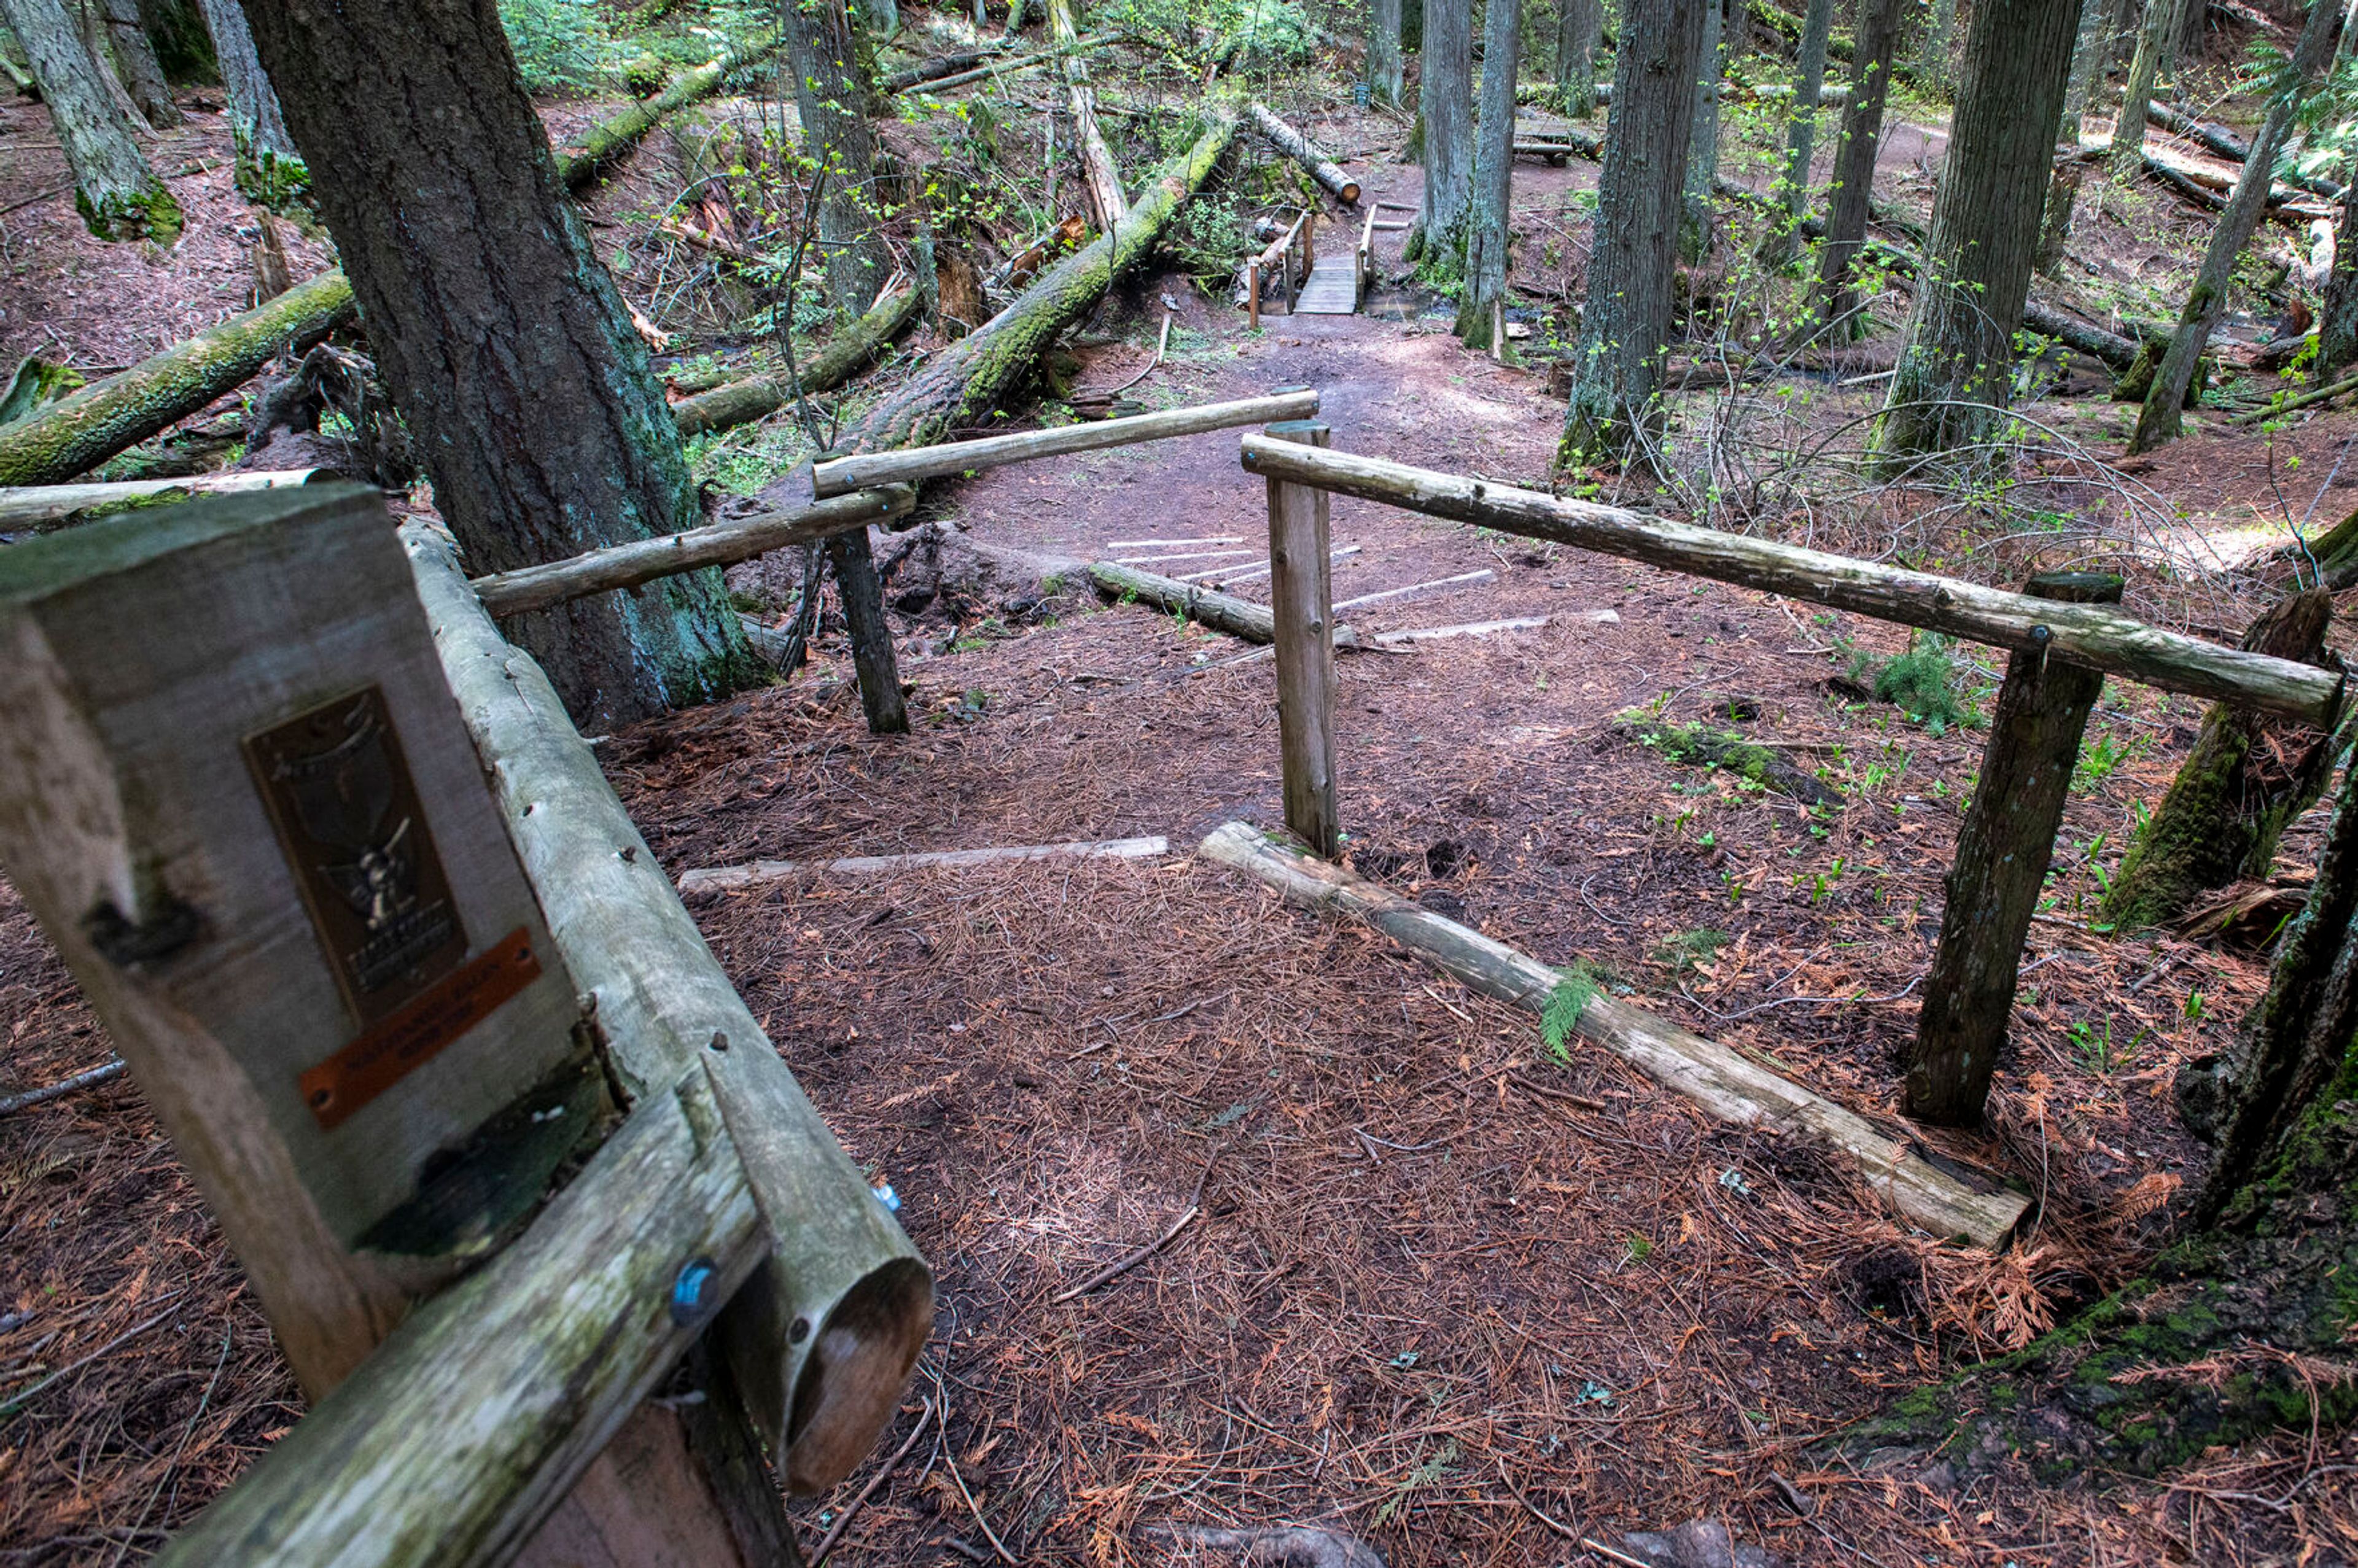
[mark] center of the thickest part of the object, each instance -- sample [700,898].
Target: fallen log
[1096,159]
[2094,342]
[934,70]
[845,355]
[2226,144]
[761,874]
[528,588]
[80,432]
[45,506]
[1729,1085]
[909,465]
[609,139]
[1306,153]
[962,383]
[2092,635]
[1223,612]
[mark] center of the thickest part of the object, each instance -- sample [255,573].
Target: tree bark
[268,167]
[136,63]
[1579,27]
[1626,327]
[1445,107]
[1489,231]
[1955,361]
[2163,417]
[114,191]
[1702,140]
[831,96]
[2157,39]
[1384,69]
[2337,316]
[1847,200]
[2090,51]
[2245,780]
[499,334]
[1801,127]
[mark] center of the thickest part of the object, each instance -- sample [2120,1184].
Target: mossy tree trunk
[1632,269]
[115,191]
[500,335]
[2203,1349]
[1836,307]
[1489,231]
[2248,777]
[1579,27]
[1702,137]
[1957,357]
[1444,109]
[831,94]
[2337,316]
[135,62]
[2164,414]
[1384,69]
[268,167]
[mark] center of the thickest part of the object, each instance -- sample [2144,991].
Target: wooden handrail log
[2085,634]
[471,1422]
[1275,250]
[722,544]
[822,1340]
[913,463]
[40,506]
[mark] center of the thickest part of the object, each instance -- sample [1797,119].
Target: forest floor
[1448,1290]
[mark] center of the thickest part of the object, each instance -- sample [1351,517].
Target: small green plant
[2194,1007]
[2099,1052]
[2098,760]
[1690,950]
[1575,988]
[1923,683]
[1636,1249]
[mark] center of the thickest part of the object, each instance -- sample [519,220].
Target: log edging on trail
[1240,618]
[907,465]
[1722,1082]
[761,874]
[720,544]
[2086,634]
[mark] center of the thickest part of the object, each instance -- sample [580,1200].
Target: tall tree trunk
[1632,268]
[2191,29]
[1489,231]
[2089,52]
[1802,130]
[115,191]
[1702,140]
[1445,105]
[1876,37]
[1932,48]
[2163,417]
[1579,27]
[2246,778]
[501,339]
[1955,361]
[2156,41]
[268,168]
[1384,71]
[831,96]
[2337,316]
[135,63]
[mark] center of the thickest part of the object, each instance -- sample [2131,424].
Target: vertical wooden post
[1300,599]
[2002,854]
[872,632]
[1253,294]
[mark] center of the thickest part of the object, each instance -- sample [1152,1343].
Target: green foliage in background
[561,46]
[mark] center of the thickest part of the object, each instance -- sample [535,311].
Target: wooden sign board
[237,791]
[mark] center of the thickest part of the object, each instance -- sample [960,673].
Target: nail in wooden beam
[1301,605]
[2001,862]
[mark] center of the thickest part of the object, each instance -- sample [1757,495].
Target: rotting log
[1306,153]
[1729,1085]
[2093,635]
[1240,618]
[762,873]
[2228,145]
[941,65]
[823,1337]
[845,355]
[81,431]
[528,588]
[2000,867]
[1701,746]
[911,465]
[45,506]
[960,385]
[610,138]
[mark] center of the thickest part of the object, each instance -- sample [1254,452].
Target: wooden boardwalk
[1331,290]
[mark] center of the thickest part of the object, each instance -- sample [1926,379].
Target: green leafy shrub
[1923,683]
[561,46]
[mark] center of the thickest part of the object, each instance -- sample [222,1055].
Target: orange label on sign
[387,1051]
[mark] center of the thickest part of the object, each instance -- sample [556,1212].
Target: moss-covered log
[2248,777]
[610,138]
[1701,746]
[2207,1347]
[70,437]
[756,397]
[964,382]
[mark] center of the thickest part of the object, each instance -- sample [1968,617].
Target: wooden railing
[1279,254]
[1369,230]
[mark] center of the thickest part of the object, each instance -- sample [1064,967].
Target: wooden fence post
[871,633]
[1300,597]
[2002,854]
